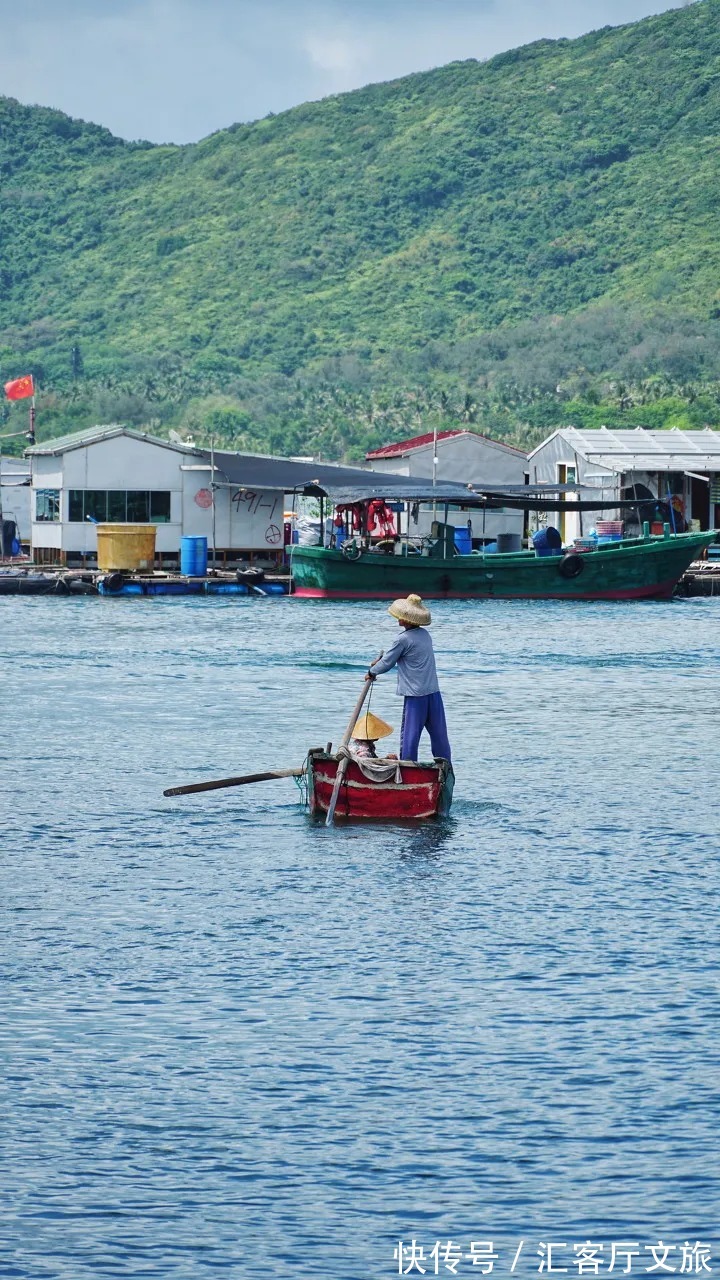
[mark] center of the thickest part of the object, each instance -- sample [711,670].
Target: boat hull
[631,570]
[425,791]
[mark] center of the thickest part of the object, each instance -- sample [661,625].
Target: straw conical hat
[370,727]
[411,610]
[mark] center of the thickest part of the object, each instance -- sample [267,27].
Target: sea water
[237,1043]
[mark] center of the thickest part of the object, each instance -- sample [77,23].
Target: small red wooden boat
[425,790]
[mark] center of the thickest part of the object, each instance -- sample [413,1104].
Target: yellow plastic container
[126,546]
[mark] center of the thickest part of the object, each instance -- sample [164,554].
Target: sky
[178,70]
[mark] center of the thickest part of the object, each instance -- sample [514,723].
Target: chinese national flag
[20,388]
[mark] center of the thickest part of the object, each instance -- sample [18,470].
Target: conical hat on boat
[370,727]
[411,610]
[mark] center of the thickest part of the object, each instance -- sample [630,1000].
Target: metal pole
[434,470]
[670,505]
[577,481]
[407,527]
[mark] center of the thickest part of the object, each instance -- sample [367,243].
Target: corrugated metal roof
[91,435]
[638,449]
[419,442]
[415,442]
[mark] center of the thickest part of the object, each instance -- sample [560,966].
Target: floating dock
[701,579]
[32,580]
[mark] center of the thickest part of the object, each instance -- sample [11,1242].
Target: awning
[548,497]
[256,471]
[345,486]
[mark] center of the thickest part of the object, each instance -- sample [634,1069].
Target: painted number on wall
[250,501]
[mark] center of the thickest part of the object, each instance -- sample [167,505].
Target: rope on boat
[301,783]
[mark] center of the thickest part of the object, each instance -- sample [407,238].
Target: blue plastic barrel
[201,557]
[463,541]
[193,557]
[547,542]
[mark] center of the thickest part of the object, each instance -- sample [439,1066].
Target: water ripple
[236,1042]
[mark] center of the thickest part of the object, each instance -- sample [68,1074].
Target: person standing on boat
[413,655]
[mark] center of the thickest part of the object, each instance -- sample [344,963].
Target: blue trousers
[424,713]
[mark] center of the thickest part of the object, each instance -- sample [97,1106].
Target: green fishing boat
[647,567]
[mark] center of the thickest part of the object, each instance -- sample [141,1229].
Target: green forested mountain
[516,243]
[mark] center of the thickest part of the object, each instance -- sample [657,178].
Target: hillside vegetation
[515,244]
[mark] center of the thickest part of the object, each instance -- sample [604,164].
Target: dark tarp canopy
[256,471]
[521,497]
[348,485]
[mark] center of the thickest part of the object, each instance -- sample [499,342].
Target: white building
[676,471]
[120,475]
[461,457]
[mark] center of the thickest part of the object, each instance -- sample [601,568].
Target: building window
[120,506]
[95,507]
[138,506]
[160,508]
[47,504]
[117,506]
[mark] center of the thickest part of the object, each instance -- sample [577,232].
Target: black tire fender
[351,550]
[571,565]
[113,582]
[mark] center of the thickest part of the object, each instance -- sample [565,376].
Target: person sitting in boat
[366,733]
[413,655]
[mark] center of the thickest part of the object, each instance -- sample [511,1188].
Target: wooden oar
[342,767]
[233,782]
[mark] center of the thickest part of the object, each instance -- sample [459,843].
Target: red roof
[417,442]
